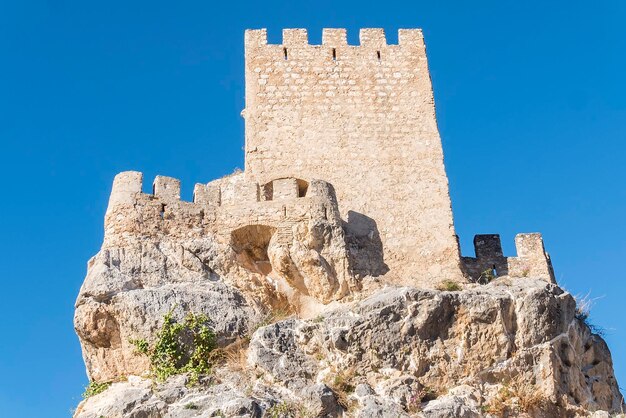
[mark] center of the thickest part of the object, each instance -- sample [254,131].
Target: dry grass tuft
[289,410]
[235,355]
[277,314]
[583,311]
[449,286]
[515,397]
[342,384]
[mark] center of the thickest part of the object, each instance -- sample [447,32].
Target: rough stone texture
[465,347]
[363,118]
[358,268]
[531,261]
[160,253]
[481,337]
[296,239]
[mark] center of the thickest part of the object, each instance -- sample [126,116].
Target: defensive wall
[360,117]
[218,208]
[531,261]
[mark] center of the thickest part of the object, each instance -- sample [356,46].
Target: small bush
[515,397]
[449,285]
[94,388]
[191,405]
[425,394]
[342,384]
[414,404]
[583,312]
[486,276]
[185,347]
[288,410]
[234,355]
[141,346]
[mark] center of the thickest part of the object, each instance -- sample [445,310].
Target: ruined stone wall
[218,208]
[287,232]
[362,118]
[532,259]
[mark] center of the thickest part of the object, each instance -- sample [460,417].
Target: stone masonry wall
[290,233]
[363,119]
[532,260]
[218,208]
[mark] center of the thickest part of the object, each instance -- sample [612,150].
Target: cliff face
[513,346]
[274,294]
[231,262]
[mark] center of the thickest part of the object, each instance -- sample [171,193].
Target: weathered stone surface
[408,350]
[404,339]
[151,263]
[128,291]
[362,118]
[355,274]
[275,350]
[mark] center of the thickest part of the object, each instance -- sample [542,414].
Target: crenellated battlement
[362,118]
[287,230]
[531,261]
[217,207]
[372,38]
[373,46]
[127,189]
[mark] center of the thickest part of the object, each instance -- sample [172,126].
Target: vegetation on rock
[583,312]
[449,285]
[486,276]
[186,347]
[288,410]
[95,388]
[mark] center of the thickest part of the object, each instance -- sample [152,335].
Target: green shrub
[185,347]
[288,410]
[94,388]
[449,285]
[141,346]
[486,276]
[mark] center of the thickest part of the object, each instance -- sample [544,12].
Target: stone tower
[363,118]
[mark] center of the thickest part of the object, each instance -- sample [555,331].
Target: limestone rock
[407,352]
[480,337]
[152,263]
[332,303]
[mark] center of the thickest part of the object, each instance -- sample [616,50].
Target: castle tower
[363,118]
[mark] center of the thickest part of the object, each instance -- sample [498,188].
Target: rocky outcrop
[522,334]
[127,292]
[514,346]
[355,345]
[322,302]
[161,254]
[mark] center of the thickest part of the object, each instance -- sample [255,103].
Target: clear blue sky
[531,103]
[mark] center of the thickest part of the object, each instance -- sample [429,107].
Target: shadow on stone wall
[365,248]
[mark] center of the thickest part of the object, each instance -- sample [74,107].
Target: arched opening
[250,242]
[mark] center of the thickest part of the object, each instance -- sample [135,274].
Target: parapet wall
[531,261]
[362,118]
[225,205]
[372,39]
[217,208]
